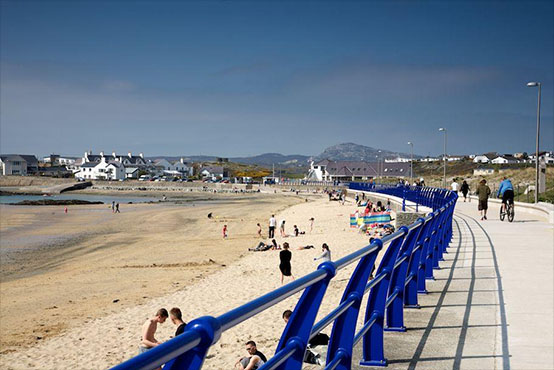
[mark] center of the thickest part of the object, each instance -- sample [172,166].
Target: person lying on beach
[177,318]
[262,247]
[149,329]
[254,361]
[305,247]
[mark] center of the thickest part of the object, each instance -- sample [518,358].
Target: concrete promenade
[492,303]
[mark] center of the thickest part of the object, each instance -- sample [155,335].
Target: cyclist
[506,191]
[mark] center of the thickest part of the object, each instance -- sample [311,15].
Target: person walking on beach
[259,230]
[177,318]
[113,206]
[285,256]
[117,208]
[483,191]
[149,329]
[224,231]
[465,189]
[272,225]
[282,229]
[311,223]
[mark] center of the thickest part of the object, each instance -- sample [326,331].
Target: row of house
[327,170]
[495,158]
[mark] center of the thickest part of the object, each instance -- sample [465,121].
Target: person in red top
[224,231]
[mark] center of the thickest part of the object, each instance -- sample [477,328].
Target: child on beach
[177,318]
[259,230]
[311,223]
[224,231]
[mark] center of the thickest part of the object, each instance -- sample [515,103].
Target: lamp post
[411,163]
[379,164]
[537,84]
[444,158]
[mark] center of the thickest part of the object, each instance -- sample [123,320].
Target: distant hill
[340,152]
[356,152]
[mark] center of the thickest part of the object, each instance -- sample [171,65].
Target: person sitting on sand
[298,232]
[149,329]
[254,361]
[177,318]
[310,357]
[325,255]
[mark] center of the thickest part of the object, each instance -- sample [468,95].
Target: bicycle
[510,212]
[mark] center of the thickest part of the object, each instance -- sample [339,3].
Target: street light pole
[444,158]
[411,163]
[538,84]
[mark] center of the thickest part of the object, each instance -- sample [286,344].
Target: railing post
[302,320]
[373,347]
[395,311]
[411,290]
[344,327]
[423,263]
[210,331]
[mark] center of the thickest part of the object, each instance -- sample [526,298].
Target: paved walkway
[492,303]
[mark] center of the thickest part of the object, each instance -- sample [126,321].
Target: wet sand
[59,271]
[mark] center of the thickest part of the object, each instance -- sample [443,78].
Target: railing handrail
[422,238]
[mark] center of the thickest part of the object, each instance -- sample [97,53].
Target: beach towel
[353,220]
[377,217]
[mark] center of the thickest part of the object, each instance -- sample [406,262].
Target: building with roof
[18,164]
[485,158]
[103,170]
[505,159]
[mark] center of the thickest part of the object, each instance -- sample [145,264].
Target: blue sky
[243,78]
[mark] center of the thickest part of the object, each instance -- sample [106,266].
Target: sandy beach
[88,303]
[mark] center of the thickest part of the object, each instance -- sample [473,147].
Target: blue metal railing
[408,261]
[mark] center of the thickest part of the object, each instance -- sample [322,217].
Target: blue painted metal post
[344,328]
[410,292]
[300,324]
[373,346]
[209,329]
[395,310]
[423,263]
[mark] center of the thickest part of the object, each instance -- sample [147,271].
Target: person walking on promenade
[465,189]
[483,191]
[272,225]
[455,186]
[117,208]
[285,256]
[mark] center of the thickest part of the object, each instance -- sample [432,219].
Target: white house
[504,159]
[18,164]
[103,170]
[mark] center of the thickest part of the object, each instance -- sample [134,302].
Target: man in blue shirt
[506,191]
